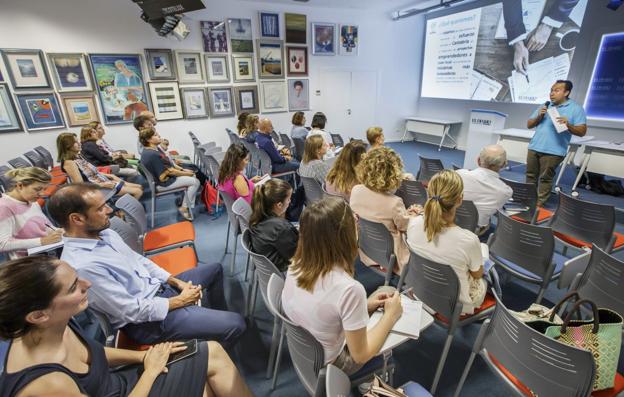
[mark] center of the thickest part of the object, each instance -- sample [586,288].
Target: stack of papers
[409,323]
[482,87]
[535,87]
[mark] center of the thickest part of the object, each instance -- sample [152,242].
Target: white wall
[113,26]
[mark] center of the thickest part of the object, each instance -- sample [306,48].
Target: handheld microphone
[547,103]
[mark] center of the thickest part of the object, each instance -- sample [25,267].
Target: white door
[363,103]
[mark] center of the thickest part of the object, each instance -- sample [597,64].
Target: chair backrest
[229,202]
[264,267]
[524,194]
[148,177]
[456,167]
[375,240]
[412,192]
[528,246]
[275,136]
[127,233]
[337,140]
[467,216]
[254,153]
[5,182]
[234,138]
[135,212]
[602,281]
[36,159]
[428,168]
[312,189]
[337,383]
[212,165]
[242,210]
[266,167]
[544,365]
[19,162]
[286,141]
[299,147]
[584,220]
[47,156]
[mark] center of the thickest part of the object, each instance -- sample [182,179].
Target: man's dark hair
[568,86]
[318,120]
[69,200]
[139,121]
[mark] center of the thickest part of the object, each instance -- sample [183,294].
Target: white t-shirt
[336,304]
[485,189]
[453,246]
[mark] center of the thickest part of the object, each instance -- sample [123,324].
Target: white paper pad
[553,113]
[45,248]
[409,323]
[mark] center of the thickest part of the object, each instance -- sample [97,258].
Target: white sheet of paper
[553,113]
[267,177]
[541,76]
[561,65]
[531,14]
[409,323]
[484,88]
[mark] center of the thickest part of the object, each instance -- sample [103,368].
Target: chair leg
[462,380]
[273,349]
[445,350]
[233,262]
[248,312]
[247,267]
[254,295]
[153,209]
[278,358]
[227,238]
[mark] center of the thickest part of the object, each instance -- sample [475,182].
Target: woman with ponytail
[271,234]
[436,237]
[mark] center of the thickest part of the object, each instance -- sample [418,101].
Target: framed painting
[189,66]
[243,68]
[269,24]
[214,37]
[40,111]
[220,100]
[298,94]
[323,38]
[166,100]
[120,85]
[246,98]
[273,96]
[297,61]
[9,120]
[349,40]
[239,30]
[80,110]
[194,102]
[70,72]
[26,68]
[296,28]
[160,64]
[270,59]
[216,68]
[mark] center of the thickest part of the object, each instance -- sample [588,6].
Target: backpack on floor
[209,197]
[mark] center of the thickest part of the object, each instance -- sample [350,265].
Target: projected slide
[511,51]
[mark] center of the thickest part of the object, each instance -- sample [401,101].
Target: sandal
[185,213]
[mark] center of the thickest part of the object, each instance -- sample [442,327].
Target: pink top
[21,226]
[228,187]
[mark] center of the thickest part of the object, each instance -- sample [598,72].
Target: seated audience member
[22,223]
[279,162]
[312,164]
[271,234]
[181,162]
[165,175]
[250,131]
[436,237]
[318,128]
[108,148]
[232,179]
[179,159]
[381,174]
[242,118]
[298,129]
[140,122]
[483,186]
[99,157]
[80,170]
[321,295]
[375,137]
[343,174]
[47,353]
[135,294]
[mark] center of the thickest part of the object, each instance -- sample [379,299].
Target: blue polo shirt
[547,139]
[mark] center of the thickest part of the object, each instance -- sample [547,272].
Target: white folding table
[429,126]
[601,157]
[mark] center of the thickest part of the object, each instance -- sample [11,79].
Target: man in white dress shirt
[483,186]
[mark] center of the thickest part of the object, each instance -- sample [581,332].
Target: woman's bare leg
[223,376]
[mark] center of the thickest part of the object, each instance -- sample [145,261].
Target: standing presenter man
[548,147]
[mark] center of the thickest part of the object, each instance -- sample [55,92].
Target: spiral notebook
[409,323]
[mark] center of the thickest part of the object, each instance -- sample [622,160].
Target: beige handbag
[379,388]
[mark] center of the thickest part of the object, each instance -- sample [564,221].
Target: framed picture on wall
[160,64]
[246,98]
[243,68]
[298,94]
[40,111]
[80,110]
[216,68]
[26,68]
[194,102]
[166,100]
[214,37]
[9,120]
[297,60]
[269,24]
[70,72]
[323,38]
[270,59]
[120,85]
[189,66]
[296,28]
[349,40]
[273,96]
[239,30]
[220,99]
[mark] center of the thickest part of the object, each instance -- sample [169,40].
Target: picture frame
[214,37]
[166,100]
[239,32]
[160,64]
[270,54]
[70,72]
[120,85]
[26,68]
[220,100]
[217,69]
[246,99]
[297,60]
[273,96]
[295,27]
[298,94]
[190,66]
[9,119]
[349,40]
[80,110]
[243,68]
[323,38]
[194,102]
[269,24]
[40,111]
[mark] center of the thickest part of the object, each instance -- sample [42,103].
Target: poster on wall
[214,36]
[70,72]
[296,28]
[80,110]
[239,30]
[298,94]
[26,68]
[189,66]
[323,38]
[247,98]
[166,100]
[194,102]
[349,40]
[9,120]
[160,64]
[269,24]
[243,68]
[274,96]
[297,58]
[270,59]
[220,99]
[120,85]
[40,111]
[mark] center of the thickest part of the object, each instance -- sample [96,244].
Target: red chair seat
[169,235]
[57,171]
[619,240]
[177,260]
[49,191]
[488,302]
[58,180]
[125,342]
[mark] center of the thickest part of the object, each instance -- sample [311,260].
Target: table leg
[404,133]
[444,133]
[582,169]
[568,158]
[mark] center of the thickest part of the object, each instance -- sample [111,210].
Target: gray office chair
[154,193]
[5,182]
[312,189]
[127,234]
[234,138]
[254,161]
[467,216]
[276,137]
[266,167]
[19,162]
[35,159]
[337,140]
[525,194]
[299,147]
[47,156]
[243,212]
[338,384]
[542,364]
[412,192]
[286,141]
[428,168]
[376,242]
